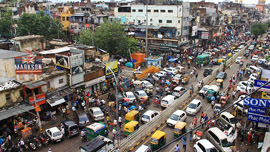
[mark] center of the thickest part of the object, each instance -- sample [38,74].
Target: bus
[203,59]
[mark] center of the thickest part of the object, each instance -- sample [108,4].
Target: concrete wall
[30,44]
[14,94]
[7,69]
[54,83]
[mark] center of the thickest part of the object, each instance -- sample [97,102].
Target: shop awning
[35,84]
[55,102]
[13,111]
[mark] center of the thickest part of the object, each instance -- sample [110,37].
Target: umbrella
[137,82]
[189,57]
[171,60]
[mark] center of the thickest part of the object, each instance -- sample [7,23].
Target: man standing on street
[177,148]
[120,121]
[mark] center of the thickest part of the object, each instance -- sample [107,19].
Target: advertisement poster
[28,65]
[204,35]
[113,66]
[62,61]
[76,60]
[77,70]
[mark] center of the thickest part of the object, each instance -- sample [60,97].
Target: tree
[258,29]
[6,23]
[39,24]
[87,37]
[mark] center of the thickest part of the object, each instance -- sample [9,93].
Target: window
[63,18]
[61,81]
[140,10]
[156,11]
[201,146]
[139,21]
[133,10]
[159,21]
[179,21]
[151,20]
[148,10]
[67,18]
[169,21]
[170,11]
[162,11]
[8,98]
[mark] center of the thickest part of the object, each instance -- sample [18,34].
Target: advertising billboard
[113,65]
[28,65]
[77,70]
[76,60]
[76,79]
[204,35]
[62,61]
[259,118]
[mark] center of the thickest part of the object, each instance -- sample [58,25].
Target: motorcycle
[43,140]
[31,144]
[84,138]
[22,146]
[38,143]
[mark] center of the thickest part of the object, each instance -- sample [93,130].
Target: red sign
[28,65]
[40,99]
[214,35]
[87,25]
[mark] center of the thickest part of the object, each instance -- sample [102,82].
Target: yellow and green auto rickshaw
[229,55]
[219,83]
[130,127]
[96,129]
[132,115]
[158,139]
[220,61]
[179,129]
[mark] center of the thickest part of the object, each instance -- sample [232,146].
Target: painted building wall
[7,70]
[14,95]
[58,82]
[65,20]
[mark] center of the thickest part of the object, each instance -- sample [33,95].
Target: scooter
[84,138]
[43,140]
[31,144]
[38,143]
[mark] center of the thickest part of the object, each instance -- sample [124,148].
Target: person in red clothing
[202,115]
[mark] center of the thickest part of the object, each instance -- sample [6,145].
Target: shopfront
[96,85]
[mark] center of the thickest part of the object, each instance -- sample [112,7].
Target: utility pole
[146,28]
[39,122]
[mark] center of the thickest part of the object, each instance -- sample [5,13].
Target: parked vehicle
[71,128]
[54,134]
[229,119]
[218,139]
[204,145]
[82,120]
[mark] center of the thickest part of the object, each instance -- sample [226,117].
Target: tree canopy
[6,23]
[39,24]
[258,29]
[110,36]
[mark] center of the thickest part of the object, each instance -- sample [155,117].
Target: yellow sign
[111,66]
[265,95]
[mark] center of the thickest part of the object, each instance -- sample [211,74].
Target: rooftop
[19,38]
[55,51]
[6,54]
[9,85]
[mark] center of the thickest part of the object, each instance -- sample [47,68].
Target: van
[144,148]
[167,101]
[71,128]
[218,139]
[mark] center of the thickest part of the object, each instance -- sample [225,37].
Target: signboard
[194,31]
[179,13]
[259,83]
[256,102]
[95,81]
[114,67]
[257,110]
[169,45]
[76,60]
[77,70]
[62,61]
[40,99]
[28,65]
[204,35]
[259,118]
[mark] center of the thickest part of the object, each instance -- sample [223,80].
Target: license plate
[58,140]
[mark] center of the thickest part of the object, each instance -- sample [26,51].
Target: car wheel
[194,149]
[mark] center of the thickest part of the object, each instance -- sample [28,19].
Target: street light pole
[39,122]
[116,100]
[146,28]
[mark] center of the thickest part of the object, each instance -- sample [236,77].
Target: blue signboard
[259,118]
[256,110]
[259,83]
[256,102]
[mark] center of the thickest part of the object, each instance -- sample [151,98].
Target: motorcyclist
[83,133]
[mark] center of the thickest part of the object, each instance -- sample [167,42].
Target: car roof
[149,112]
[82,114]
[206,143]
[54,129]
[144,81]
[206,86]
[227,114]
[95,108]
[69,122]
[178,88]
[141,91]
[195,101]
[142,148]
[168,97]
[129,93]
[179,112]
[218,132]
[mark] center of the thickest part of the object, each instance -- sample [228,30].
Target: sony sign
[256,102]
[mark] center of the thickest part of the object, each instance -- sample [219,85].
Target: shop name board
[169,45]
[111,66]
[257,110]
[39,98]
[259,83]
[28,65]
[256,102]
[259,118]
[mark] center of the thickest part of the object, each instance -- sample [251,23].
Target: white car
[253,75]
[252,79]
[149,116]
[178,91]
[180,69]
[241,47]
[130,96]
[177,78]
[255,58]
[236,50]
[245,83]
[240,105]
[54,134]
[238,59]
[148,84]
[194,107]
[159,75]
[242,88]
[170,70]
[204,90]
[96,113]
[178,115]
[204,145]
[261,61]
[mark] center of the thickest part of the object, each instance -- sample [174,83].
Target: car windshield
[98,112]
[145,117]
[83,118]
[233,120]
[55,134]
[142,94]
[204,88]
[225,143]
[212,150]
[164,102]
[154,140]
[192,106]
[130,96]
[174,117]
[220,75]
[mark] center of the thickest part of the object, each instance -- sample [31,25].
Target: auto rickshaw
[220,61]
[219,83]
[185,79]
[158,139]
[132,115]
[229,55]
[130,127]
[224,100]
[95,130]
[179,129]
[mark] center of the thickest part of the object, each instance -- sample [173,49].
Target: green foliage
[87,37]
[258,29]
[110,36]
[39,24]
[267,58]
[6,23]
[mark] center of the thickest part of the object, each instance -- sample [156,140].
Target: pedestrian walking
[74,110]
[53,119]
[190,135]
[64,113]
[184,144]
[177,148]
[234,93]
[202,115]
[196,77]
[202,121]
[120,121]
[213,103]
